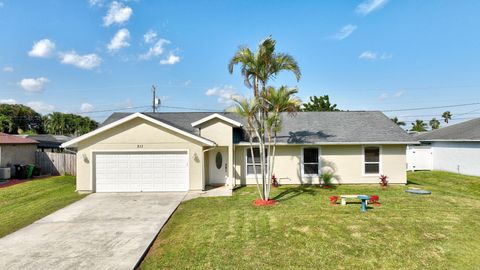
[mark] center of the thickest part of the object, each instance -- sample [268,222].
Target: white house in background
[455,148]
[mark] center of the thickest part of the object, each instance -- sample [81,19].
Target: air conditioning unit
[5,173]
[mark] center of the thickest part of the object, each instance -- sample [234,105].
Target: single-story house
[48,142]
[190,150]
[455,148]
[16,150]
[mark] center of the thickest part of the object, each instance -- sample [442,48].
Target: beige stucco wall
[217,131]
[346,159]
[17,154]
[138,135]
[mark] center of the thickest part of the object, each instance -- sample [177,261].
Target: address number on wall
[139,145]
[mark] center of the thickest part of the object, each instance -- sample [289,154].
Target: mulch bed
[11,182]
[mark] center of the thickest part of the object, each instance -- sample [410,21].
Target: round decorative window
[218,160]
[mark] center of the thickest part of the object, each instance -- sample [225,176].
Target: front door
[218,166]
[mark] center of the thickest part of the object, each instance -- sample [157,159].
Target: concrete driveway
[101,231]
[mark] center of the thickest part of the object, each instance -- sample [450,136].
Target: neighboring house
[455,148]
[16,150]
[188,151]
[48,142]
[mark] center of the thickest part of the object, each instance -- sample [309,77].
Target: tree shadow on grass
[410,182]
[293,192]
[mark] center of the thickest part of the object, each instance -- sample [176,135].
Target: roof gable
[74,142]
[464,131]
[217,116]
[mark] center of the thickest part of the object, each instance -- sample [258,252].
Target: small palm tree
[419,126]
[434,123]
[397,121]
[446,116]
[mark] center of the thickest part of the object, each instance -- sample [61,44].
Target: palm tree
[257,69]
[434,123]
[246,108]
[279,100]
[446,116]
[397,121]
[419,126]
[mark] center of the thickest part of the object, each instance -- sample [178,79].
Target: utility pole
[154,106]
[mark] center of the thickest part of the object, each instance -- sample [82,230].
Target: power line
[434,107]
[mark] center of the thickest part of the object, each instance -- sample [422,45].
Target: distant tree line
[421,126]
[21,119]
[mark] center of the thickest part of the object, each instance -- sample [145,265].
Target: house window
[371,160]
[310,161]
[256,154]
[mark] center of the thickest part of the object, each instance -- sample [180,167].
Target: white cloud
[86,61]
[150,36]
[118,13]
[368,55]
[43,48]
[398,94]
[8,69]
[345,31]
[120,40]
[97,3]
[86,107]
[187,82]
[33,84]
[368,6]
[172,59]
[41,107]
[156,50]
[224,94]
[8,101]
[383,96]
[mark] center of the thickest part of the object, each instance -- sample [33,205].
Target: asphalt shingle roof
[10,139]
[306,127]
[465,131]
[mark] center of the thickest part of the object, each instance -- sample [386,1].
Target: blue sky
[93,55]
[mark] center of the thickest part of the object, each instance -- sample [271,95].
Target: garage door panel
[136,172]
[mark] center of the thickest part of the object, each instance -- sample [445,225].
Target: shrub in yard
[326,178]
[383,180]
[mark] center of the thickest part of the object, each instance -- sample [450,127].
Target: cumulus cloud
[8,101]
[98,3]
[86,61]
[41,107]
[118,13]
[368,6]
[150,36]
[224,94]
[43,48]
[345,32]
[369,55]
[8,69]
[33,84]
[170,60]
[86,107]
[120,40]
[156,50]
[385,96]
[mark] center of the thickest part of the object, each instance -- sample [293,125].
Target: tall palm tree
[419,126]
[279,100]
[257,69]
[446,116]
[434,123]
[397,121]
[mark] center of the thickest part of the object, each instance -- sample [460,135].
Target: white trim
[73,143]
[310,176]
[450,140]
[338,143]
[380,161]
[219,116]
[247,175]
[93,152]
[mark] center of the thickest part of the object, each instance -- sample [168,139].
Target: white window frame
[302,168]
[251,175]
[380,167]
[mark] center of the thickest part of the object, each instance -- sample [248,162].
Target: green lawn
[438,231]
[22,204]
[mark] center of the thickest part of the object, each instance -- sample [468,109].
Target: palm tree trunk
[254,166]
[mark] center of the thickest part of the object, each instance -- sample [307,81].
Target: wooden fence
[56,163]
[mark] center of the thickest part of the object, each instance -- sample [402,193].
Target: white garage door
[141,172]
